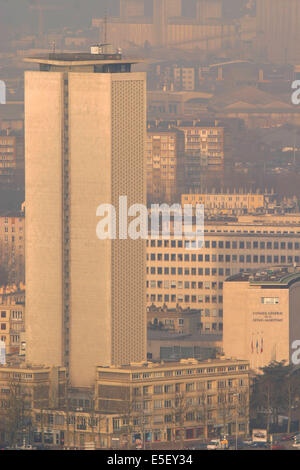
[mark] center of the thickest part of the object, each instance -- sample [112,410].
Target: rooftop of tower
[99,57]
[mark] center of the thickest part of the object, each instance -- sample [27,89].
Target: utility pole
[236,395]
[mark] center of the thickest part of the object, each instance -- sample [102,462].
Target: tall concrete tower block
[85,130]
[174,8]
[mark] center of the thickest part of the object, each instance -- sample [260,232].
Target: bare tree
[224,410]
[180,407]
[16,415]
[201,409]
[242,408]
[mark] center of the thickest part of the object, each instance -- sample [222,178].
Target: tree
[16,415]
[181,406]
[3,276]
[202,412]
[132,417]
[224,410]
[242,408]
[275,391]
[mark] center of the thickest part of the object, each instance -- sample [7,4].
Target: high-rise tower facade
[85,132]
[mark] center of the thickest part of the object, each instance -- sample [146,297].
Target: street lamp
[236,395]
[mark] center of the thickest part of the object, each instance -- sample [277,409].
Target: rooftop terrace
[281,277]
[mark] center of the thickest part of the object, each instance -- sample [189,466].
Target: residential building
[88,108]
[208,141]
[74,429]
[175,320]
[12,313]
[263,328]
[176,401]
[12,246]
[11,155]
[185,78]
[172,104]
[23,388]
[7,157]
[164,165]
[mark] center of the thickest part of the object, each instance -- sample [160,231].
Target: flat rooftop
[176,365]
[280,276]
[196,338]
[79,59]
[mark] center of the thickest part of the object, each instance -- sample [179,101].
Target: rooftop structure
[278,277]
[182,364]
[101,59]
[261,315]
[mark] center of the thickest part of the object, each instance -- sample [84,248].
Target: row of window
[220,271]
[223,258]
[180,372]
[15,314]
[214,299]
[200,299]
[189,387]
[184,285]
[249,245]
[188,271]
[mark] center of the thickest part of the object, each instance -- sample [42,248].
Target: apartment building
[8,156]
[12,246]
[162,402]
[75,430]
[263,329]
[178,274]
[207,140]
[11,155]
[185,78]
[23,388]
[175,320]
[164,164]
[12,321]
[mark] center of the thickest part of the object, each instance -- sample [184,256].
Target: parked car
[212,445]
[218,444]
[289,437]
[297,442]
[248,442]
[260,445]
[277,446]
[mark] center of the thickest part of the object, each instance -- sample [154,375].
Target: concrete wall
[43,228]
[278,30]
[107,125]
[249,323]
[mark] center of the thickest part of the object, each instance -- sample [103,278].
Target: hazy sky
[72,12]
